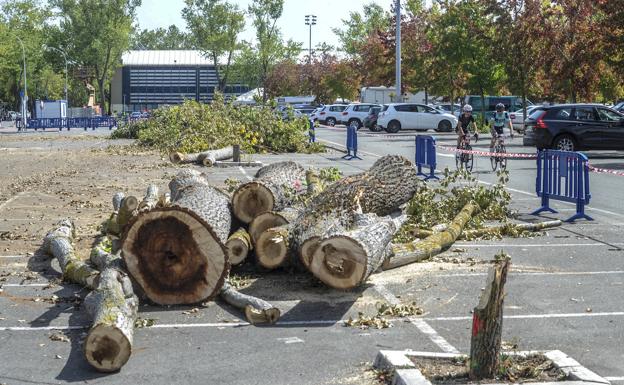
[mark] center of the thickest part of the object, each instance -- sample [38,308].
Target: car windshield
[374,110]
[608,115]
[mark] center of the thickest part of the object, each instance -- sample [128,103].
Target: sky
[158,13]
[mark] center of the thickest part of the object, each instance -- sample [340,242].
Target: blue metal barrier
[60,123]
[563,176]
[426,155]
[352,143]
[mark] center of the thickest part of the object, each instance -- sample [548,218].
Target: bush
[194,127]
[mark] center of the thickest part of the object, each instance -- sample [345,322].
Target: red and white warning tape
[605,171]
[487,153]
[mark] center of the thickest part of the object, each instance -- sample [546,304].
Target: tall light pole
[398,51]
[310,20]
[65,57]
[25,97]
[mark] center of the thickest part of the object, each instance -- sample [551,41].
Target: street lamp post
[65,57]
[310,20]
[398,51]
[25,97]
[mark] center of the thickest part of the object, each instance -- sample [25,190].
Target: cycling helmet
[500,107]
[467,108]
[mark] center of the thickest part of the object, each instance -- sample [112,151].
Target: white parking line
[536,316]
[3,205]
[614,378]
[423,326]
[538,245]
[242,170]
[342,145]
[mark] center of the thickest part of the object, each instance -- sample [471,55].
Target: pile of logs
[178,247]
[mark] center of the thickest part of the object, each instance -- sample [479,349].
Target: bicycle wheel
[502,160]
[494,161]
[459,160]
[469,160]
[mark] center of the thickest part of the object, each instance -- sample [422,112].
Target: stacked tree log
[206,158]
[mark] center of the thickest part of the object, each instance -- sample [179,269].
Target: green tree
[160,38]
[360,26]
[97,33]
[215,26]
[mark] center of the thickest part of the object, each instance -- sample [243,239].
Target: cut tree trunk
[150,200]
[177,254]
[59,243]
[273,189]
[405,253]
[208,158]
[111,225]
[487,324]
[108,345]
[182,158]
[346,259]
[238,246]
[257,311]
[388,184]
[128,208]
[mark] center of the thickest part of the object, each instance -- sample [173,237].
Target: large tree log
[388,184]
[238,246]
[256,310]
[59,243]
[272,190]
[209,158]
[487,324]
[406,253]
[346,259]
[177,254]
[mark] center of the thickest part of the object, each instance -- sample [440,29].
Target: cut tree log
[269,219]
[257,311]
[208,158]
[111,226]
[150,200]
[388,184]
[238,246]
[405,253]
[346,259]
[487,323]
[113,307]
[177,254]
[182,158]
[59,243]
[128,208]
[273,189]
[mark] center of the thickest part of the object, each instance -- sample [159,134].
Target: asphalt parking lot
[564,290]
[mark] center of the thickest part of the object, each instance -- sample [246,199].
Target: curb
[406,373]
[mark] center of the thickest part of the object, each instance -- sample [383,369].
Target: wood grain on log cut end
[264,222]
[238,246]
[340,262]
[209,161]
[175,256]
[308,248]
[176,157]
[257,316]
[250,200]
[107,349]
[272,247]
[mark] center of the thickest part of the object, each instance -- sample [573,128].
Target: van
[512,103]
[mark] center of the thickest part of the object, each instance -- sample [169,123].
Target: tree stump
[487,323]
[177,253]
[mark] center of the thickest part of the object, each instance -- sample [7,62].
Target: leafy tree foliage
[170,38]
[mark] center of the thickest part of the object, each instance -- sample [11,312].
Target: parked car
[512,103]
[330,114]
[449,108]
[517,118]
[572,127]
[619,107]
[355,113]
[399,116]
[136,115]
[370,121]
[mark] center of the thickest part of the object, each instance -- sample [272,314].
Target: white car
[396,116]
[330,114]
[517,118]
[356,113]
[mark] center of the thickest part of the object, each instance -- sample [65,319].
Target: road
[564,290]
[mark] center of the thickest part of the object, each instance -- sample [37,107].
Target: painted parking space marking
[242,170]
[537,245]
[535,316]
[291,340]
[530,273]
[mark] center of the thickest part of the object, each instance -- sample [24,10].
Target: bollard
[312,132]
[426,155]
[352,143]
[236,153]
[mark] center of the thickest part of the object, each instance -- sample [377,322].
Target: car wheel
[375,127]
[564,143]
[356,121]
[444,126]
[331,122]
[393,127]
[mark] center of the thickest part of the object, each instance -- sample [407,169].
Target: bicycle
[462,159]
[499,148]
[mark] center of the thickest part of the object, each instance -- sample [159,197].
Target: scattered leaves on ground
[144,322]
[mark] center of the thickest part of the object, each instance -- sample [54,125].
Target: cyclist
[463,124]
[499,120]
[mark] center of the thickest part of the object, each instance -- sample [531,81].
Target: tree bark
[256,310]
[388,184]
[177,253]
[59,243]
[150,200]
[406,253]
[238,246]
[487,324]
[272,190]
[208,158]
[111,225]
[346,259]
[128,208]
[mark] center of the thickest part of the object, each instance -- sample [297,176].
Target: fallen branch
[405,253]
[256,310]
[509,229]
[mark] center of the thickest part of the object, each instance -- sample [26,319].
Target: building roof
[164,58]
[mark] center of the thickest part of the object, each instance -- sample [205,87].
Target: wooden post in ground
[487,323]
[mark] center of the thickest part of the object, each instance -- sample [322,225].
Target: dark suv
[572,127]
